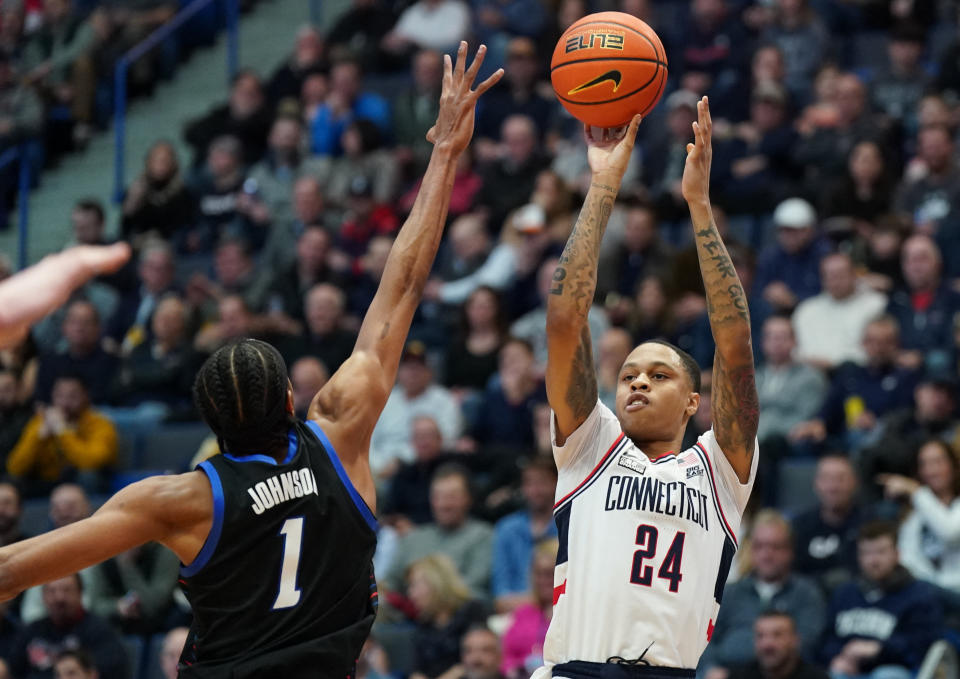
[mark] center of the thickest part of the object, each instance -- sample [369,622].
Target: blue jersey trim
[344,479]
[213,538]
[291,451]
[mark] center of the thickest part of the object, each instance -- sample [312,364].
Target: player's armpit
[176,511]
[735,411]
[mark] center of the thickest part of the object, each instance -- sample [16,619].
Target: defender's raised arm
[735,410]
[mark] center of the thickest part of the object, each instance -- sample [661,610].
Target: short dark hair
[776,613]
[81,656]
[15,485]
[690,365]
[241,393]
[453,469]
[541,463]
[878,528]
[91,205]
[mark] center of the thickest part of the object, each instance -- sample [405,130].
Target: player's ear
[693,403]
[290,397]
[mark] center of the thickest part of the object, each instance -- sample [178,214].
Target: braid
[241,393]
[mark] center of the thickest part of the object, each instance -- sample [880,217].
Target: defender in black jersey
[277,533]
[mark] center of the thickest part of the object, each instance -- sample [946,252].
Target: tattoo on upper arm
[735,405]
[582,390]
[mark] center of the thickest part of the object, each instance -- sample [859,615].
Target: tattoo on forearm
[718,270]
[582,390]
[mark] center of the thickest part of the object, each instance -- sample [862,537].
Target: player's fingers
[634,125]
[697,134]
[447,70]
[475,66]
[690,148]
[489,82]
[461,61]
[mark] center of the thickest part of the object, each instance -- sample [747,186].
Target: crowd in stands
[836,186]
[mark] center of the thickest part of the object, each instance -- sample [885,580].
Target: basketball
[607,67]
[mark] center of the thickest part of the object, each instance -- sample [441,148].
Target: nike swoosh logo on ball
[612,76]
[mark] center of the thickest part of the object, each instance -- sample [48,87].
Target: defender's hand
[454,127]
[608,150]
[696,173]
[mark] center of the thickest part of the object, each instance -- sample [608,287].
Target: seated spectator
[532,326]
[829,325]
[21,111]
[788,271]
[663,155]
[516,536]
[67,625]
[930,535]
[359,31]
[712,47]
[408,495]
[613,348]
[74,664]
[860,395]
[364,156]
[415,111]
[324,336]
[480,655]
[467,247]
[234,271]
[471,357]
[881,624]
[414,394]
[465,541]
[64,441]
[309,209]
[161,370]
[367,279]
[428,24]
[642,252]
[87,219]
[49,334]
[158,202]
[902,433]
[233,321]
[825,535]
[21,360]
[771,585]
[776,646]
[505,413]
[11,509]
[799,33]
[446,609]
[346,102]
[925,306]
[245,117]
[84,356]
[173,643]
[898,87]
[308,56]
[929,192]
[14,414]
[134,590]
[131,322]
[365,217]
[527,627]
[311,266]
[865,191]
[307,376]
[509,180]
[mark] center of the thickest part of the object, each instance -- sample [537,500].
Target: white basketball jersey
[645,547]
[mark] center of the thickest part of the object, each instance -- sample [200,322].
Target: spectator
[324,337]
[509,180]
[803,41]
[788,271]
[865,192]
[134,590]
[408,496]
[790,392]
[480,655]
[829,325]
[246,117]
[930,535]
[897,89]
[471,358]
[308,210]
[468,247]
[428,24]
[21,111]
[445,611]
[346,102]
[173,643]
[11,509]
[234,321]
[14,414]
[712,48]
[465,541]
[776,646]
[664,154]
[861,394]
[929,193]
[290,284]
[307,376]
[415,111]
[364,156]
[83,356]
[234,271]
[67,624]
[881,624]
[771,585]
[367,279]
[527,628]
[641,253]
[66,440]
[516,536]
[158,202]
[415,394]
[74,664]
[365,216]
[825,535]
[613,348]
[359,31]
[87,222]
[505,414]
[925,306]
[130,324]
[308,57]
[217,189]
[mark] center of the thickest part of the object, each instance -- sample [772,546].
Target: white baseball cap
[794,213]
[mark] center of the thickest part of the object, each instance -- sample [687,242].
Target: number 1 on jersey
[289,594]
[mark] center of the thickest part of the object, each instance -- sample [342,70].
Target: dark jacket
[883,389]
[41,641]
[929,330]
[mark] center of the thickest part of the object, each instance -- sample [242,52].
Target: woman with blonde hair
[445,611]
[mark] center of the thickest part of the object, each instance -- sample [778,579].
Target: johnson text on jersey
[282,488]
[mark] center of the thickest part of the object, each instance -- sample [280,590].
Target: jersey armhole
[213,537]
[358,501]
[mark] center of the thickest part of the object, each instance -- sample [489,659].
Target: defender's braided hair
[241,393]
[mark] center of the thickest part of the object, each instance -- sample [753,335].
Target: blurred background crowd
[836,186]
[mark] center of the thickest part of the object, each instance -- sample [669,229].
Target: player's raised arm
[735,410]
[571,377]
[352,400]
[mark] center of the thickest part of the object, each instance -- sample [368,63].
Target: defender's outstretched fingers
[447,71]
[461,61]
[475,66]
[489,82]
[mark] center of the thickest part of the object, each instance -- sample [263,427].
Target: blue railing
[25,177]
[137,52]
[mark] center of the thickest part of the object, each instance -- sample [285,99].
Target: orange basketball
[607,67]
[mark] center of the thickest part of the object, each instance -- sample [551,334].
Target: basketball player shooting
[647,531]
[277,534]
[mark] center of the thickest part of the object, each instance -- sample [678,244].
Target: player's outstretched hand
[454,127]
[609,149]
[696,173]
